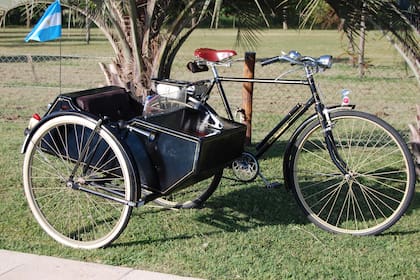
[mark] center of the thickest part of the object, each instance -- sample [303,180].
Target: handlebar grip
[270,60]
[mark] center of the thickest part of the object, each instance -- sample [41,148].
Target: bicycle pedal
[273,185]
[269,185]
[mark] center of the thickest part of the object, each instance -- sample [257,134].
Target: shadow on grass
[243,208]
[399,232]
[251,207]
[239,210]
[415,204]
[275,151]
[247,208]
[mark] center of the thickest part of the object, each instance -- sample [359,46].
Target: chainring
[246,167]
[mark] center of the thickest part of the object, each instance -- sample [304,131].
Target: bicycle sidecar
[93,156]
[167,151]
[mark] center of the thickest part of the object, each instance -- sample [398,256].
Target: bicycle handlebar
[294,57]
[270,60]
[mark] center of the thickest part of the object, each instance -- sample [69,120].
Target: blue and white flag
[49,26]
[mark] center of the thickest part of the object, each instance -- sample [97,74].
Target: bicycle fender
[140,159]
[296,134]
[47,118]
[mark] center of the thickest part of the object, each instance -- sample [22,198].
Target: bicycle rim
[70,216]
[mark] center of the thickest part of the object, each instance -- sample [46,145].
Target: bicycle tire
[192,196]
[70,216]
[382,181]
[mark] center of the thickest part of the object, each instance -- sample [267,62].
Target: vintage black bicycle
[98,153]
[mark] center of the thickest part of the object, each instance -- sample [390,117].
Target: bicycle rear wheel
[381,182]
[192,196]
[71,216]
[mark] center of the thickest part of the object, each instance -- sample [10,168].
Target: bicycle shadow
[240,210]
[250,207]
[253,205]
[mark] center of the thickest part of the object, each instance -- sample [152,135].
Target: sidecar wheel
[70,215]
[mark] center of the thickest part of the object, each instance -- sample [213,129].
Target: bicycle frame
[291,117]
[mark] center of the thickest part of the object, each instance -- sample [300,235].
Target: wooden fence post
[247,92]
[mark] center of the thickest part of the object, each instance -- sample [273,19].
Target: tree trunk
[415,141]
[361,60]
[28,16]
[285,27]
[3,19]
[69,20]
[351,50]
[87,23]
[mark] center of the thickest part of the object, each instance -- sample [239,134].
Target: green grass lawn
[244,231]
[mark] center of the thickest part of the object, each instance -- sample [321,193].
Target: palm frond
[381,14]
[249,22]
[308,10]
[247,39]
[257,3]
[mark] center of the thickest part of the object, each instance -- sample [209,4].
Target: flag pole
[60,68]
[60,43]
[48,28]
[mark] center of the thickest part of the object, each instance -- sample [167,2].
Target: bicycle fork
[328,127]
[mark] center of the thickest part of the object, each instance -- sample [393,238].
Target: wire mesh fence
[388,88]
[389,91]
[53,71]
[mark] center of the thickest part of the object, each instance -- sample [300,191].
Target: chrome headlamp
[325,61]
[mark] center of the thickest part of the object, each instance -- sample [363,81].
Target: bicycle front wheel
[381,182]
[72,216]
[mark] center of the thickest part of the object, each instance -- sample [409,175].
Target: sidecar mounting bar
[76,186]
[150,135]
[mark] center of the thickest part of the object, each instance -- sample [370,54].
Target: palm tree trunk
[285,27]
[3,19]
[351,49]
[87,26]
[135,50]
